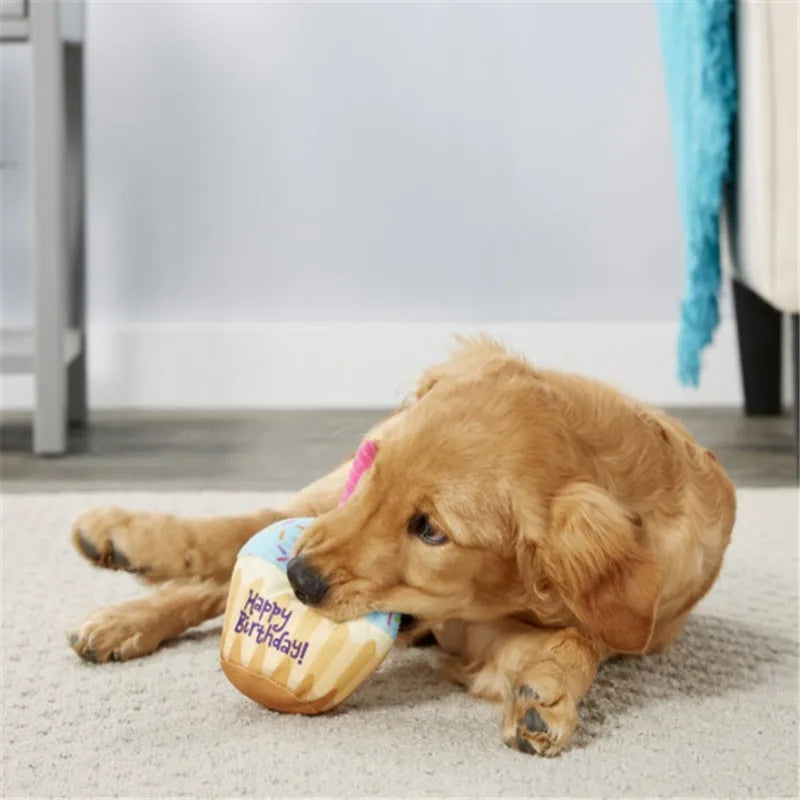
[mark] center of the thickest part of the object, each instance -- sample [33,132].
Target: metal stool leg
[49,422]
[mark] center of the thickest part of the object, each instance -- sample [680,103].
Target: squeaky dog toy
[278,651]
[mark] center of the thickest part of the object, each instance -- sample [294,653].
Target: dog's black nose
[309,586]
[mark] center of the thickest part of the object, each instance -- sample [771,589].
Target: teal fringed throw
[697,47]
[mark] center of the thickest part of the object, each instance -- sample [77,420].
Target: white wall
[403,161]
[412,163]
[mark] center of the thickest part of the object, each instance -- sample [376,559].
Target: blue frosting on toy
[275,543]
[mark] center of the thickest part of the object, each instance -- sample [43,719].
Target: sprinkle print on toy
[266,622]
[275,544]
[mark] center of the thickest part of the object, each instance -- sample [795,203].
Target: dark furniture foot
[796,389]
[759,328]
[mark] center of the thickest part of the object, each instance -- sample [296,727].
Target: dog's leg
[136,628]
[160,547]
[552,675]
[539,674]
[194,556]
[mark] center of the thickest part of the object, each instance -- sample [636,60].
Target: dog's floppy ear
[592,555]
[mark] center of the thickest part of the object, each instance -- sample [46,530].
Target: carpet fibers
[716,715]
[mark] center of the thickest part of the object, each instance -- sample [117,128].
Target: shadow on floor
[711,658]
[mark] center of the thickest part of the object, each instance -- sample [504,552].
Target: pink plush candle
[362,461]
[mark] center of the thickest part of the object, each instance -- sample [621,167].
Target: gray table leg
[76,172]
[49,422]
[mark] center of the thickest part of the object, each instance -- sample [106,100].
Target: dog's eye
[421,527]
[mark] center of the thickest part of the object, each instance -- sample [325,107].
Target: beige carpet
[715,716]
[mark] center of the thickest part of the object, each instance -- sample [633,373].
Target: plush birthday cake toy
[278,651]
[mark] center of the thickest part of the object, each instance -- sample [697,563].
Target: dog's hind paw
[111,538]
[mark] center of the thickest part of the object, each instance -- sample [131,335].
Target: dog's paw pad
[533,722]
[118,559]
[527,692]
[532,735]
[86,547]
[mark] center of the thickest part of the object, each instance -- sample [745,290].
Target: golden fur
[579,524]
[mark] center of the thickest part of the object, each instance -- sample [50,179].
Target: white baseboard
[368,365]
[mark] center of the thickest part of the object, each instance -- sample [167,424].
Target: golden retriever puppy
[536,522]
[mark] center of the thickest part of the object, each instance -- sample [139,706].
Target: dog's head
[454,520]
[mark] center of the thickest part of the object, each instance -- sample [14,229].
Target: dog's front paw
[114,633]
[539,715]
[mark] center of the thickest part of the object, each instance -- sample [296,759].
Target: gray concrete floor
[274,450]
